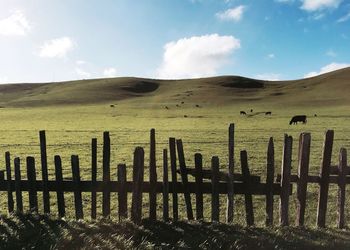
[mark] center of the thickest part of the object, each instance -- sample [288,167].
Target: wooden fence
[221,182]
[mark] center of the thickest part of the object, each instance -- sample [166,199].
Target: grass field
[74,112]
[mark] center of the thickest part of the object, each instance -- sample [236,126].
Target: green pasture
[70,128]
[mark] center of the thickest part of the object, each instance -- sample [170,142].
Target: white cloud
[82,73]
[269,77]
[284,1]
[316,5]
[318,16]
[15,25]
[110,72]
[57,47]
[331,53]
[328,68]
[80,62]
[344,18]
[197,56]
[234,14]
[3,79]
[271,56]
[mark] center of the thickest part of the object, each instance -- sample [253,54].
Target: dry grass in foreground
[41,232]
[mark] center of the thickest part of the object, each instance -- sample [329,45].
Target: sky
[59,40]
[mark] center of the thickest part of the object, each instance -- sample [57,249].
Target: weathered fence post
[270,173]
[215,201]
[247,187]
[59,187]
[138,172]
[285,180]
[44,172]
[230,180]
[106,195]
[122,193]
[165,186]
[172,148]
[19,200]
[33,199]
[341,184]
[152,178]
[10,203]
[199,181]
[183,172]
[324,178]
[93,176]
[303,172]
[77,191]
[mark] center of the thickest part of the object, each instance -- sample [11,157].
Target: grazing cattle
[268,113]
[298,118]
[315,115]
[112,106]
[251,110]
[177,105]
[243,113]
[197,105]
[185,116]
[166,107]
[182,102]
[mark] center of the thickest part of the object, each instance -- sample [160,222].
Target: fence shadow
[32,231]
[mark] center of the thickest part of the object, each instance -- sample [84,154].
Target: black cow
[298,118]
[243,113]
[268,113]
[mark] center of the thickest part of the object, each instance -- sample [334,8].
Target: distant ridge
[328,89]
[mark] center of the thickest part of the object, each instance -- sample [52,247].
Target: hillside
[328,89]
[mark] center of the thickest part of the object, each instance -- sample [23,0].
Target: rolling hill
[328,89]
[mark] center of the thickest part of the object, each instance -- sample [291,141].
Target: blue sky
[44,41]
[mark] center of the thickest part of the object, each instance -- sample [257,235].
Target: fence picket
[19,200]
[215,200]
[44,171]
[324,178]
[172,148]
[106,195]
[285,180]
[230,180]
[270,173]
[165,186]
[152,177]
[303,172]
[138,172]
[199,181]
[183,172]
[79,214]
[122,194]
[59,182]
[341,187]
[31,175]
[93,176]
[248,194]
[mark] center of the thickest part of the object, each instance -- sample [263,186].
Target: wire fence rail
[213,182]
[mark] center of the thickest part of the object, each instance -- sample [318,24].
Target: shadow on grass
[30,231]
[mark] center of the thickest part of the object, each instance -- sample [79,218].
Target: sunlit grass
[69,130]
